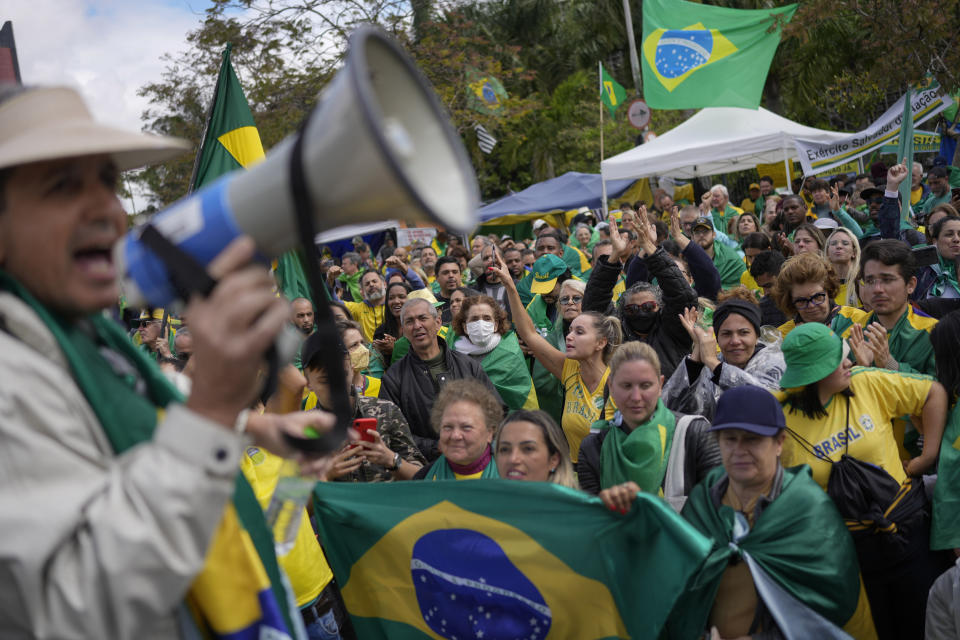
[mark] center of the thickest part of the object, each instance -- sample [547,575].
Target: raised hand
[835,198]
[689,319]
[618,240]
[876,336]
[676,231]
[896,174]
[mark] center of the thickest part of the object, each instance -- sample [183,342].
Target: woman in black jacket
[647,312]
[645,443]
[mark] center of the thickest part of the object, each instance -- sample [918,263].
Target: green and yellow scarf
[641,455]
[241,560]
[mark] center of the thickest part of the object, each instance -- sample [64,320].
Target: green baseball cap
[546,270]
[812,352]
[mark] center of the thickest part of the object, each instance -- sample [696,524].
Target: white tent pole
[786,168]
[603,183]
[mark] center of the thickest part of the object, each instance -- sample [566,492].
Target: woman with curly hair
[805,291]
[483,332]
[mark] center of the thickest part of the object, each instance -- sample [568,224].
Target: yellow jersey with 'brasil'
[581,407]
[879,396]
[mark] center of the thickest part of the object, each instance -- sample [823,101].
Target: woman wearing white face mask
[483,332]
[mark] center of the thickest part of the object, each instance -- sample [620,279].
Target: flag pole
[603,183]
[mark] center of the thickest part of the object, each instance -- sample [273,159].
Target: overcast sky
[105,48]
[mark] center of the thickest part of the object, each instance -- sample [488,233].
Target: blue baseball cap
[751,409]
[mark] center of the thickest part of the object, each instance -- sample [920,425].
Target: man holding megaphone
[113,488]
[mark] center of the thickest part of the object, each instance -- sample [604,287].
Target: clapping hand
[861,350]
[689,319]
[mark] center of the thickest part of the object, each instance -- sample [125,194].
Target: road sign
[638,114]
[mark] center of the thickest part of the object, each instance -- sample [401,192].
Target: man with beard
[647,312]
[725,259]
[301,311]
[368,313]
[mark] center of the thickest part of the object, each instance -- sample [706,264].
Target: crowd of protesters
[783,374]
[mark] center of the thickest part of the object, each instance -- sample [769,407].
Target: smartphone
[956,193]
[361,425]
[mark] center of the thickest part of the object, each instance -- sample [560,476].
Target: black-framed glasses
[815,300]
[144,323]
[571,299]
[635,309]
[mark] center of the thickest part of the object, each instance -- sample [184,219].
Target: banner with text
[421,236]
[923,142]
[817,157]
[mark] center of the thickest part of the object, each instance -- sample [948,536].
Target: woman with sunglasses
[581,367]
[805,290]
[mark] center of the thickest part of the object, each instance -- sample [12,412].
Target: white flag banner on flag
[485,141]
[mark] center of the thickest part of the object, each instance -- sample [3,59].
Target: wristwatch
[396,462]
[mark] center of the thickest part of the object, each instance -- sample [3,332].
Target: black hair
[766,179]
[938,225]
[528,252]
[556,234]
[663,232]
[670,246]
[939,172]
[807,402]
[945,338]
[768,262]
[756,240]
[445,260]
[890,253]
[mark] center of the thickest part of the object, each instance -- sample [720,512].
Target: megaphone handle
[331,359]
[186,274]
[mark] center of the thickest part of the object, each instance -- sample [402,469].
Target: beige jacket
[95,545]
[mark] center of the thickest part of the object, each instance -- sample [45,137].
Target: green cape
[799,540]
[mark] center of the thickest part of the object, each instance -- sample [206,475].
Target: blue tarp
[570,191]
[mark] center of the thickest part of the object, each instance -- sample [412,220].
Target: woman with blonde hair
[531,446]
[843,252]
[645,446]
[581,368]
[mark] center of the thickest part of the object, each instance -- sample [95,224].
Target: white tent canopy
[716,140]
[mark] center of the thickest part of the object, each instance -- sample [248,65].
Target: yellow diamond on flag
[674,54]
[244,145]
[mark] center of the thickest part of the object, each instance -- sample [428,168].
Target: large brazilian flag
[503,559]
[697,55]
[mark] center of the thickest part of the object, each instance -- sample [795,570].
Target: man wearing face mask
[647,312]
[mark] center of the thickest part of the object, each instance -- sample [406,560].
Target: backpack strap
[673,483]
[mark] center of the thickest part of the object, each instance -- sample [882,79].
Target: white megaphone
[377,146]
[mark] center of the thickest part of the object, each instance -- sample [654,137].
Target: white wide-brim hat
[48,123]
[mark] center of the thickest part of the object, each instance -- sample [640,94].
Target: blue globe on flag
[489,95]
[467,587]
[680,51]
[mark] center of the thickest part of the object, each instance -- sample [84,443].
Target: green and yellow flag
[697,55]
[612,93]
[485,93]
[231,140]
[503,559]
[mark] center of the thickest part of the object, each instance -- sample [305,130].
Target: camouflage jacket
[394,430]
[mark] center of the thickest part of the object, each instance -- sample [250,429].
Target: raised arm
[545,353]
